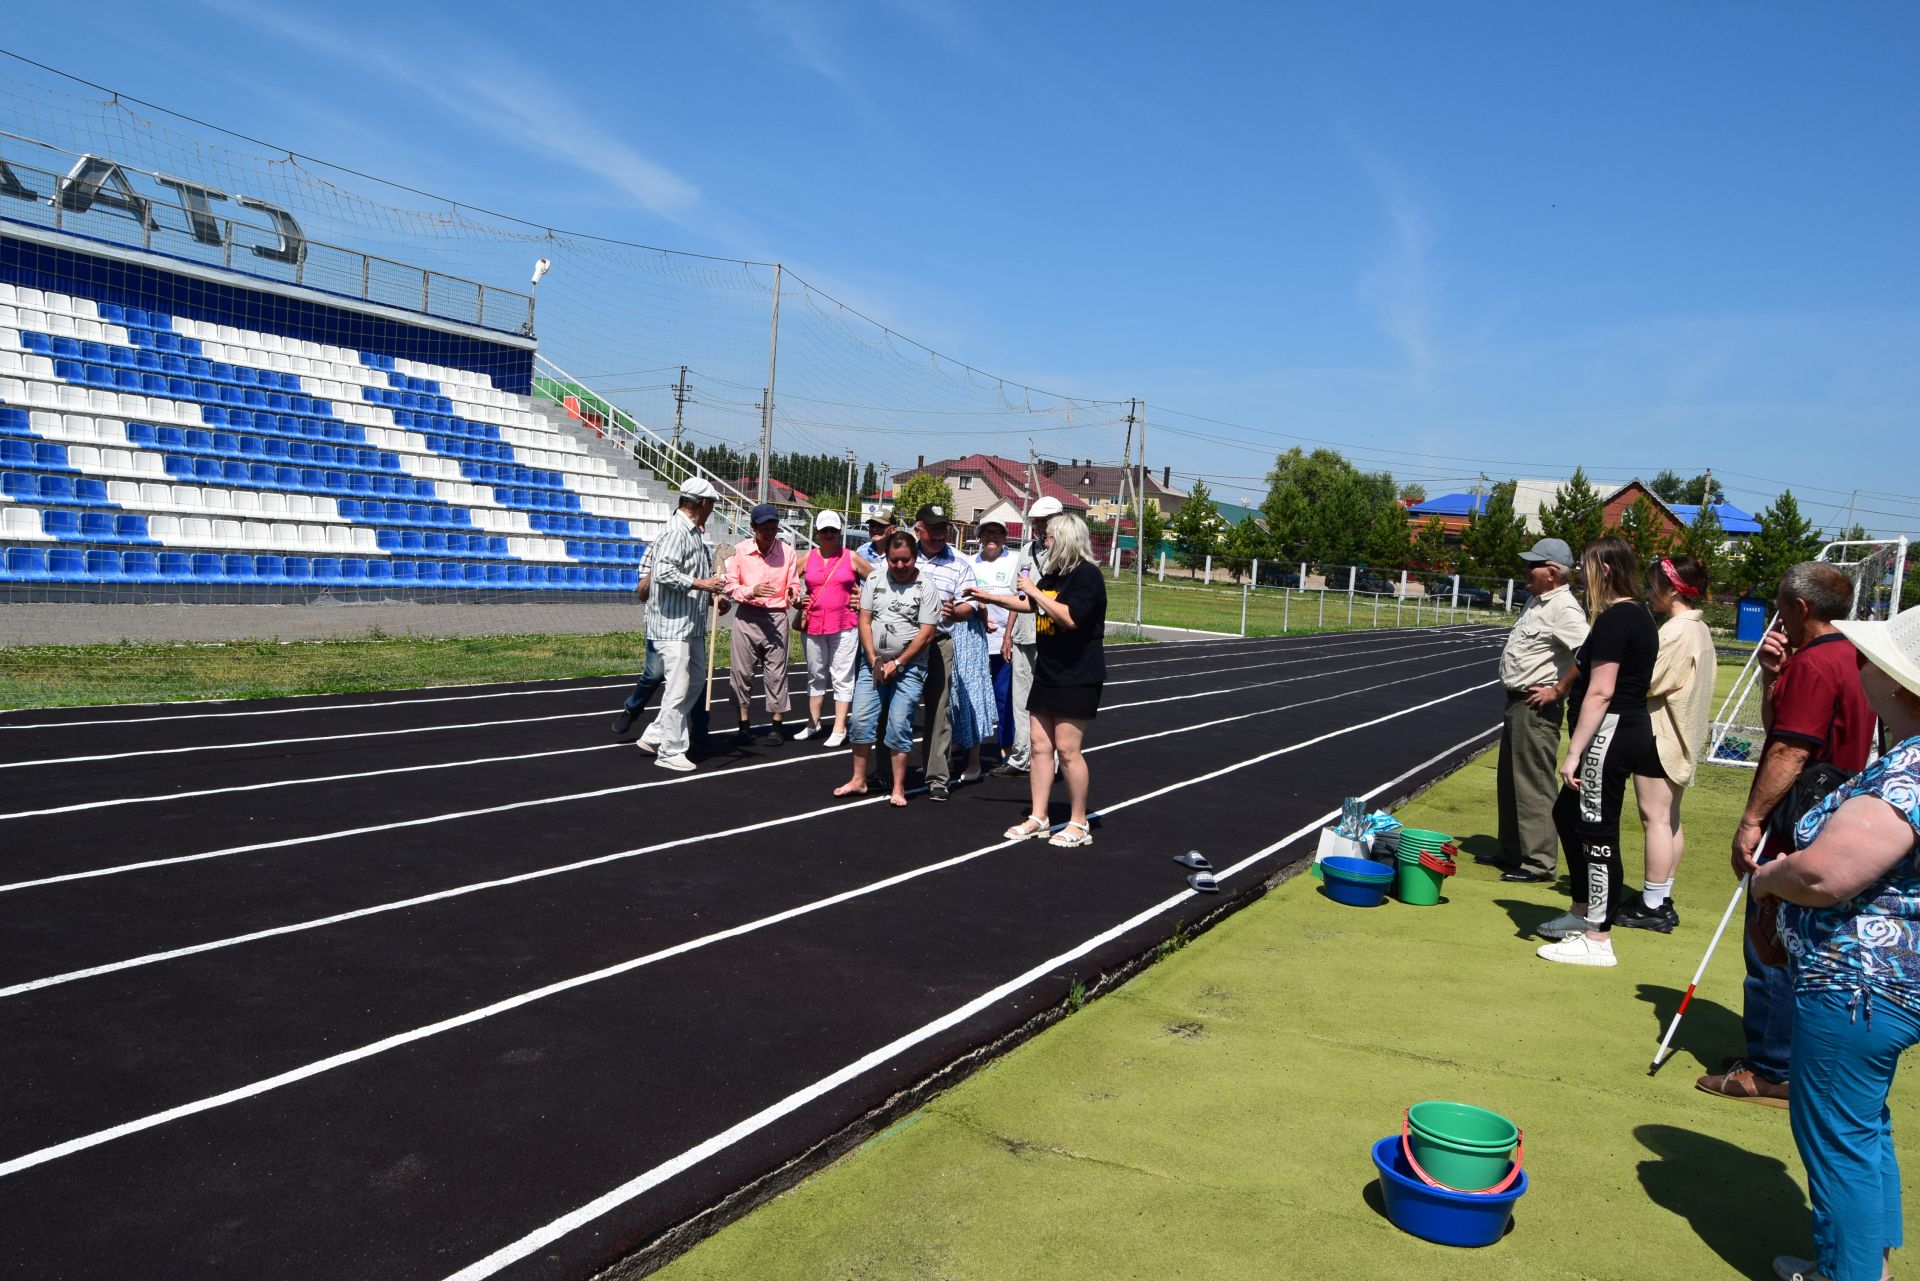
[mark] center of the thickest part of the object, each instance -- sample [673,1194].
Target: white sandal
[1033,825]
[1067,838]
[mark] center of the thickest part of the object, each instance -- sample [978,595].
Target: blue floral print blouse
[1870,943]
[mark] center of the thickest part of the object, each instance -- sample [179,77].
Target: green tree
[1643,529]
[916,492]
[1786,538]
[1703,540]
[1668,486]
[1389,538]
[1342,518]
[869,481]
[1153,531]
[1576,513]
[1494,538]
[1430,551]
[1196,527]
[1413,492]
[1289,522]
[1244,544]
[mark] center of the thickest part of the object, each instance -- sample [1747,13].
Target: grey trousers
[1529,783]
[1022,752]
[936,698]
[759,637]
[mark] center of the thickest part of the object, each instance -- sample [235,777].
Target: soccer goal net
[1877,568]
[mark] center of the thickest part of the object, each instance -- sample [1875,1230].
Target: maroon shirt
[1817,700]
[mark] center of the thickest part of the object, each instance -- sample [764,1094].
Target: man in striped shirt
[683,585]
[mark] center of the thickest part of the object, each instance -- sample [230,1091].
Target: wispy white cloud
[1398,287]
[532,115]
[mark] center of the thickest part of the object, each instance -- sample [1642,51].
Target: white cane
[1700,973]
[713,632]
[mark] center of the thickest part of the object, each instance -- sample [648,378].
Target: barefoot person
[1069,668]
[899,614]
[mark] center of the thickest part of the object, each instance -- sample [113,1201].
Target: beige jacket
[1680,699]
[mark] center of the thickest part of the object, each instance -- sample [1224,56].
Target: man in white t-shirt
[997,570]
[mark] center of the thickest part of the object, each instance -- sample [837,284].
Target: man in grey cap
[1033,563]
[764,583]
[683,587]
[1538,651]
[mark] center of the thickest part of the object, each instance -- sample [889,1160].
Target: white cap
[1045,507]
[697,487]
[827,520]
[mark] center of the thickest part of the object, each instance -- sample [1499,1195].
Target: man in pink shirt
[763,580]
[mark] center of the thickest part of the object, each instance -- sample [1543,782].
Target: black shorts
[1074,702]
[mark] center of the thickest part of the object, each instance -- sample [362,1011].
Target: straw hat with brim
[1893,647]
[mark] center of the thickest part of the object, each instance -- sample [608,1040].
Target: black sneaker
[1636,915]
[1526,876]
[937,791]
[623,722]
[1007,771]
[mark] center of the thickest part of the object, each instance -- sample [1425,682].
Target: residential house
[1100,488]
[986,486]
[1677,517]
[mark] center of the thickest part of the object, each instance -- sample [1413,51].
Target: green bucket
[1461,1146]
[1416,884]
[1420,841]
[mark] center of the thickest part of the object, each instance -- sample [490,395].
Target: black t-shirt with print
[1076,657]
[1625,633]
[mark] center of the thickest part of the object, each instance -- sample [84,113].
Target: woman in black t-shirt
[1069,667]
[1612,741]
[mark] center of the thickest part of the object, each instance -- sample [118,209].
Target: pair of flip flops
[1202,877]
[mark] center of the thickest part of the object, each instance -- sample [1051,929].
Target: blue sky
[1448,238]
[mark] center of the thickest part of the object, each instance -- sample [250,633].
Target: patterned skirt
[972,707]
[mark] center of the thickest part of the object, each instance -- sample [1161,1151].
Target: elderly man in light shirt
[1539,649]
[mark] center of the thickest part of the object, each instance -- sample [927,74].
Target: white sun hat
[1048,506]
[827,520]
[1893,647]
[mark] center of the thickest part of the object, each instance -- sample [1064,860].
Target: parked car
[1374,584]
[1440,587]
[1275,576]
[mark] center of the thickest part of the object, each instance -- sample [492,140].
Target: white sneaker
[1578,949]
[836,738]
[806,732]
[678,764]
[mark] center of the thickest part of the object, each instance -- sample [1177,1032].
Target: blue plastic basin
[1435,1214]
[1357,882]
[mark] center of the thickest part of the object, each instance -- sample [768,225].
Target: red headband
[1680,588]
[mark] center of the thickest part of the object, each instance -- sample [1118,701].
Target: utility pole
[1140,526]
[850,466]
[679,407]
[1126,478]
[773,361]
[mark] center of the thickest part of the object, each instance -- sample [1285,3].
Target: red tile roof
[1004,476]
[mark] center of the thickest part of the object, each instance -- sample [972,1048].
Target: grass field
[1212,1118]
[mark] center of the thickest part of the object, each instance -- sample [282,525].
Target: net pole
[1899,577]
[773,365]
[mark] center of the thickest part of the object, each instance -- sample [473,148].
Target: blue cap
[762,513]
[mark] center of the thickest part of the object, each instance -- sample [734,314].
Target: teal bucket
[1461,1147]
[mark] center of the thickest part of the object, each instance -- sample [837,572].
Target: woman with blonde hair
[1069,668]
[1612,742]
[1680,701]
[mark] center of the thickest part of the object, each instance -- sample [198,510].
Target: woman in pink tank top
[830,626]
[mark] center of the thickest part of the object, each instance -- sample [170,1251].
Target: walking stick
[713,631]
[1700,973]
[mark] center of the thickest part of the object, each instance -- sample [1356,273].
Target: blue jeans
[901,696]
[652,677]
[1766,1012]
[1002,670]
[1845,1050]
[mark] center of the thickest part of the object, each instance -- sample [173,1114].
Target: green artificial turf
[1212,1118]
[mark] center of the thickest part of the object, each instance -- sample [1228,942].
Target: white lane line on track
[327,707]
[81,806]
[573,1220]
[266,1085]
[593,794]
[715,679]
[378,909]
[1295,656]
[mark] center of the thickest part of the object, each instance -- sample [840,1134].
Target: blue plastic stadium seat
[236,473]
[516,575]
[576,577]
[56,489]
[237,567]
[206,568]
[66,564]
[207,469]
[426,573]
[16,453]
[353,570]
[25,565]
[387,540]
[456,544]
[131,529]
[264,476]
[103,566]
[95,527]
[269,569]
[326,569]
[60,524]
[412,542]
[140,567]
[378,570]
[172,567]
[402,571]
[296,569]
[475,575]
